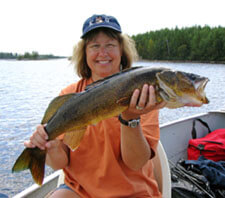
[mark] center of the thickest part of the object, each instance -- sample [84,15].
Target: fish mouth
[200,86]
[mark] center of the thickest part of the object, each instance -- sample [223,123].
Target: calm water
[26,88]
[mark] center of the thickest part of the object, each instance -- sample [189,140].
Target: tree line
[187,44]
[27,56]
[196,43]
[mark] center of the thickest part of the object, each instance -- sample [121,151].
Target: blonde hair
[129,52]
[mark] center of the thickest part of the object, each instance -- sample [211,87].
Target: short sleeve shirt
[96,169]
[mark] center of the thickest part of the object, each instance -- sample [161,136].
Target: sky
[55,26]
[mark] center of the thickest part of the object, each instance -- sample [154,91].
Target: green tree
[194,43]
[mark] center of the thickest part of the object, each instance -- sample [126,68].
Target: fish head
[182,89]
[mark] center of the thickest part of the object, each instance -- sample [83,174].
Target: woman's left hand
[142,102]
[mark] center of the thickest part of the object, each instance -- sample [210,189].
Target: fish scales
[99,102]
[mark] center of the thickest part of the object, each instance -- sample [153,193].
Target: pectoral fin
[73,138]
[54,105]
[125,101]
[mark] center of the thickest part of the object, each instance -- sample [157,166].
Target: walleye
[72,113]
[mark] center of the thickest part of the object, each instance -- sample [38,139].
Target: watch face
[133,123]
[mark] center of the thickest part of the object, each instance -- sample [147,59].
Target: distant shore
[183,61]
[28,56]
[34,56]
[37,59]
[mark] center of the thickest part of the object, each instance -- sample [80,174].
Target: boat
[174,138]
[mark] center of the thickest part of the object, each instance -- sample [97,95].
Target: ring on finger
[139,108]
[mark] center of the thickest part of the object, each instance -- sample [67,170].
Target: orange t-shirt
[96,168]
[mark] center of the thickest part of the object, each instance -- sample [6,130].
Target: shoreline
[140,60]
[182,61]
[27,59]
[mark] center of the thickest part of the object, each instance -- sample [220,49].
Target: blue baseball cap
[98,21]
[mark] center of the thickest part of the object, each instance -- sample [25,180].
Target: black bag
[190,180]
[187,183]
[214,172]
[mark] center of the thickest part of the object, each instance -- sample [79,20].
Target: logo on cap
[99,20]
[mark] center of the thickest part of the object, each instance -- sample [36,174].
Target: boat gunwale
[190,118]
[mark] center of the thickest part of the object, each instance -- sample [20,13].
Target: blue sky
[54,26]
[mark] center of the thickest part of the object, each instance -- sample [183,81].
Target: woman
[113,159]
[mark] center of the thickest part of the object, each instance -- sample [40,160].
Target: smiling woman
[110,154]
[103,56]
[112,42]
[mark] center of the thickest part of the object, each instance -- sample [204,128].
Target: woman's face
[103,56]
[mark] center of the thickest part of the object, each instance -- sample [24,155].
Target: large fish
[72,113]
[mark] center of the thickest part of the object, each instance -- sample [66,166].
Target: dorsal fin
[105,80]
[54,105]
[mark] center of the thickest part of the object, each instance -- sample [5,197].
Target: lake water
[26,88]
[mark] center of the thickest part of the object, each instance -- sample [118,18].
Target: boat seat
[161,172]
[61,179]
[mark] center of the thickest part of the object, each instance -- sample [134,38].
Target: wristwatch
[130,123]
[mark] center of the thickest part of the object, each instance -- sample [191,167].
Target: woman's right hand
[38,138]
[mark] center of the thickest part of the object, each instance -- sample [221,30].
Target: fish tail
[33,159]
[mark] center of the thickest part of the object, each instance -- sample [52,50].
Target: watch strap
[130,123]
